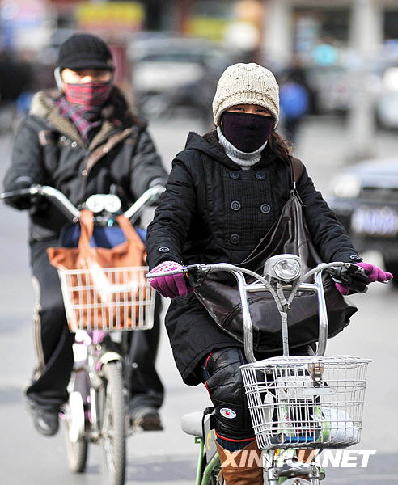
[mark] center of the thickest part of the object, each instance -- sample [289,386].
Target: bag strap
[296,171]
[130,233]
[86,230]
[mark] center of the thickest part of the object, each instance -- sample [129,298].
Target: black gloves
[20,202]
[33,203]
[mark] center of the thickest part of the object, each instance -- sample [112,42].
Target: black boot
[45,418]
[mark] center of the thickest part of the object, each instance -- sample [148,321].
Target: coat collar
[43,106]
[210,145]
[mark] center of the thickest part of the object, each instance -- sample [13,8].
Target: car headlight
[346,186]
[284,267]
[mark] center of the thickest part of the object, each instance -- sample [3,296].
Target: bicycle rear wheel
[113,426]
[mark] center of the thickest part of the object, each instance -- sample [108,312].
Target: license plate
[382,221]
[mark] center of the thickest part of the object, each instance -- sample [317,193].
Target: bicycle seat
[191,423]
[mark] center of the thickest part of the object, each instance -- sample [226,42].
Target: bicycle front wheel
[77,453]
[75,424]
[113,426]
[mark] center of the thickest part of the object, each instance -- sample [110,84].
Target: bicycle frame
[89,358]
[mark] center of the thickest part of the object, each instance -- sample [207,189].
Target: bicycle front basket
[306,401]
[108,299]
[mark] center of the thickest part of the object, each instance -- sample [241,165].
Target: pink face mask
[88,95]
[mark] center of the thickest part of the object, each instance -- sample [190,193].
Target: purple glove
[372,272]
[343,290]
[172,285]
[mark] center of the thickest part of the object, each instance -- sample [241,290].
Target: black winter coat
[212,212]
[49,149]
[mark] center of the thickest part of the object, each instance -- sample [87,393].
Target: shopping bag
[103,288]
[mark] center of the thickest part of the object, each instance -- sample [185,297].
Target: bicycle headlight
[284,267]
[98,202]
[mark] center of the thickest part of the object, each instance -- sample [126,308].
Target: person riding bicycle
[225,190]
[83,140]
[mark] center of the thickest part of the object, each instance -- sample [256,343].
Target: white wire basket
[108,298]
[305,401]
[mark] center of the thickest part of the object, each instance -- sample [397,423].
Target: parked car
[365,199]
[387,100]
[330,88]
[171,71]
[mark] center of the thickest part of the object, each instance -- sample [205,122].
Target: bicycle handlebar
[230,268]
[265,285]
[71,212]
[134,211]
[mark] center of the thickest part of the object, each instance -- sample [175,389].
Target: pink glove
[372,272]
[343,290]
[172,285]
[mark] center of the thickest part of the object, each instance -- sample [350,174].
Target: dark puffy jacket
[49,149]
[212,211]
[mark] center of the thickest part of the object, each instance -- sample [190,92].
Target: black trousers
[54,343]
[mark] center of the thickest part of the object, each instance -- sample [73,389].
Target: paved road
[169,457]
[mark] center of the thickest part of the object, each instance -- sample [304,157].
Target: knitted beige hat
[246,84]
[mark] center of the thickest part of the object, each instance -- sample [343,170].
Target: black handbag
[219,294]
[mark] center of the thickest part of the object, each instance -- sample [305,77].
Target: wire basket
[306,402]
[108,298]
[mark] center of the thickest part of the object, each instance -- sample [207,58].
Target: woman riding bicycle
[225,191]
[83,140]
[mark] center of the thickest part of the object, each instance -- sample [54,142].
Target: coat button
[164,249]
[265,208]
[234,238]
[234,175]
[260,175]
[235,205]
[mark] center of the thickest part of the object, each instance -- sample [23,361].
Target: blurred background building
[343,52]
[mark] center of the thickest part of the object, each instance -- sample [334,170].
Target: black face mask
[247,132]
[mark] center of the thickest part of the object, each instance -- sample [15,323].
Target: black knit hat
[84,51]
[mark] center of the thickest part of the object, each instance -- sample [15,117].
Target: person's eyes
[264,113]
[102,76]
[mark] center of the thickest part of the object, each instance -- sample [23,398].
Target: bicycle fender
[110,357]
